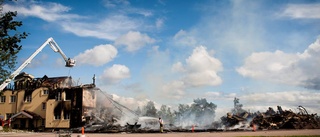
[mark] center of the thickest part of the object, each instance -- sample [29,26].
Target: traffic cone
[192,128]
[82,132]
[253,127]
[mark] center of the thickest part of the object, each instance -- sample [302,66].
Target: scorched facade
[46,103]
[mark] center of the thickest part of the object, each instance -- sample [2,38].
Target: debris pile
[231,120]
[286,120]
[126,120]
[270,120]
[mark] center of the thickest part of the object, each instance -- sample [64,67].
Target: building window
[57,116]
[43,122]
[43,106]
[28,98]
[9,115]
[45,92]
[68,95]
[66,116]
[12,99]
[58,96]
[2,99]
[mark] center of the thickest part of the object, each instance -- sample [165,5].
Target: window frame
[58,96]
[66,116]
[9,115]
[43,122]
[67,96]
[3,99]
[45,92]
[57,116]
[13,97]
[44,106]
[28,99]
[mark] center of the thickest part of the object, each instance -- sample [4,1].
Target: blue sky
[173,51]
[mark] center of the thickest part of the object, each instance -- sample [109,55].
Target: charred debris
[269,120]
[236,120]
[109,116]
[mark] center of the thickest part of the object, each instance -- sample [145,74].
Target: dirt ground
[180,134]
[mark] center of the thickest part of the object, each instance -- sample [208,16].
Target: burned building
[47,103]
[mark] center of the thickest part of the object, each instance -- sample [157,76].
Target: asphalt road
[180,134]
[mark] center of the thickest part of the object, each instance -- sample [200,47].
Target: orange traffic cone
[253,127]
[82,132]
[192,128]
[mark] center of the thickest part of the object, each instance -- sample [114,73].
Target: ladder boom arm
[54,46]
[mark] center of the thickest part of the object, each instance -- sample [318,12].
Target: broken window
[68,95]
[9,115]
[12,99]
[43,106]
[57,116]
[28,98]
[58,110]
[58,96]
[66,115]
[2,99]
[45,92]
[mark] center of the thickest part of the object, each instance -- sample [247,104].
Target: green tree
[10,38]
[166,114]
[200,112]
[150,110]
[183,113]
[203,110]
[237,107]
[170,116]
[163,111]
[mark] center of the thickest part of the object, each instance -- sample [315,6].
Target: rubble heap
[286,120]
[232,120]
[269,120]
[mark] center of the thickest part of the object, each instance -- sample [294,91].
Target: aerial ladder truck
[54,46]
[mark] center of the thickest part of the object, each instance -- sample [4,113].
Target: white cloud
[145,13]
[109,28]
[268,65]
[130,102]
[199,70]
[115,74]
[212,94]
[115,3]
[301,11]
[294,69]
[134,40]
[97,56]
[185,39]
[202,69]
[288,99]
[174,90]
[159,23]
[178,67]
[48,12]
[124,7]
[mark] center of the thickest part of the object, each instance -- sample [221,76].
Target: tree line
[10,38]
[200,112]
